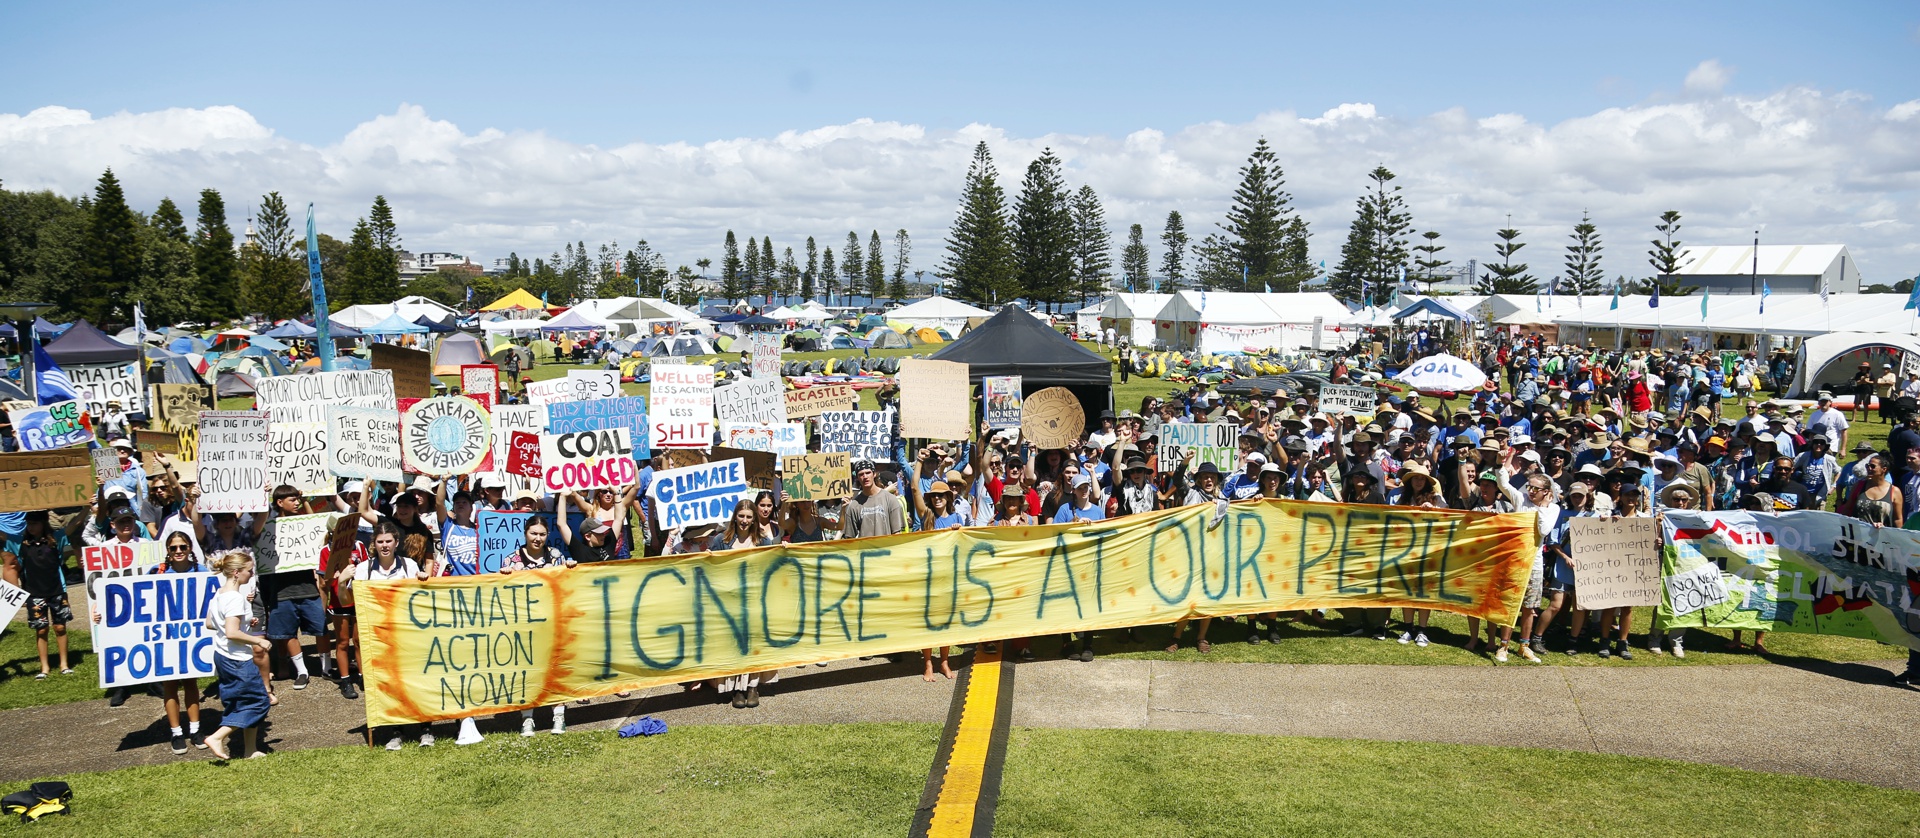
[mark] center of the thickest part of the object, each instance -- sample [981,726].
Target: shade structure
[395,325]
[84,344]
[1437,307]
[1013,342]
[1825,362]
[519,298]
[41,329]
[938,313]
[267,343]
[575,320]
[432,325]
[290,329]
[1441,373]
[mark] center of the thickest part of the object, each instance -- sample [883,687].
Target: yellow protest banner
[466,646]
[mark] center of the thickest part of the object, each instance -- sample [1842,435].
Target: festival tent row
[1227,321]
[936,313]
[1131,316]
[1679,321]
[1827,362]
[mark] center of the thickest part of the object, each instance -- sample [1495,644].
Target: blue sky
[496,127]
[609,73]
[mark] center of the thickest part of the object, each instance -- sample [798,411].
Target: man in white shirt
[1828,422]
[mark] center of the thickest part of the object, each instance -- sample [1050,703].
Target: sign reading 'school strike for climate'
[452,647]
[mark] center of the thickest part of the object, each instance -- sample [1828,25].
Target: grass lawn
[866,779]
[19,662]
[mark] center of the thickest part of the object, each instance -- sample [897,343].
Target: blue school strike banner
[628,412]
[154,628]
[500,535]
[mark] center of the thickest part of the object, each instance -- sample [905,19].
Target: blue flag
[1705,295]
[1765,292]
[51,383]
[1654,301]
[321,341]
[1913,297]
[1616,299]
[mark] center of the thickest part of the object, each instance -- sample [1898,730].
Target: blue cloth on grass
[643,726]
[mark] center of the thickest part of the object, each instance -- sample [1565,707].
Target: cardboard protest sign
[233,461]
[1615,562]
[936,399]
[363,443]
[751,401]
[523,455]
[785,439]
[1213,442]
[826,476]
[764,349]
[549,391]
[1342,399]
[594,384]
[54,488]
[862,434]
[412,369]
[583,460]
[297,457]
[97,384]
[1052,418]
[507,418]
[808,402]
[1002,395]
[57,425]
[698,494]
[297,540]
[113,560]
[912,591]
[1805,571]
[178,406]
[12,599]
[445,436]
[39,460]
[106,464]
[154,628]
[303,399]
[759,466]
[682,410]
[501,533]
[628,412]
[157,442]
[476,379]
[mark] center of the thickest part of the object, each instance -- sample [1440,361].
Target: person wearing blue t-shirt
[1082,507]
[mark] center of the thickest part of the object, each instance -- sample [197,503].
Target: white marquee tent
[1225,321]
[937,313]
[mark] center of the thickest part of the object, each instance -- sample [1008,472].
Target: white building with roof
[1784,268]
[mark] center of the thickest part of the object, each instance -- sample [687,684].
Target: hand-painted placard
[501,533]
[523,455]
[297,457]
[682,408]
[476,379]
[764,349]
[587,460]
[550,391]
[1210,442]
[1342,399]
[157,442]
[760,467]
[363,443]
[1052,418]
[445,436]
[106,464]
[1002,394]
[1616,561]
[861,434]
[412,369]
[825,476]
[154,628]
[53,488]
[507,418]
[936,399]
[41,460]
[178,406]
[12,599]
[113,560]
[297,540]
[303,399]
[57,425]
[785,439]
[233,461]
[594,384]
[628,412]
[698,494]
[98,384]
[755,401]
[808,402]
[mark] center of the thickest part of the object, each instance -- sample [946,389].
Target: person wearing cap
[1862,386]
[1080,506]
[596,541]
[1854,470]
[1817,468]
[611,506]
[1829,422]
[1245,484]
[133,476]
[111,422]
[1887,386]
[459,533]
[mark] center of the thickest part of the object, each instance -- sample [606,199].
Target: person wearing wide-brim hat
[1418,488]
[1205,489]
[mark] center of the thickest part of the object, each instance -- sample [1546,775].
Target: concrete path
[1839,721]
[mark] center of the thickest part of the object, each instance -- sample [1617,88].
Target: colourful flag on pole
[1615,305]
[321,341]
[1654,300]
[1705,295]
[1765,292]
[51,383]
[1913,297]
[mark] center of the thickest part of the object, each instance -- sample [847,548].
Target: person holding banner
[800,522]
[340,557]
[243,695]
[36,562]
[742,531]
[180,559]
[535,553]
[1559,581]
[386,564]
[611,508]
[1536,497]
[291,599]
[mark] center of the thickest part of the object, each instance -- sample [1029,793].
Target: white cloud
[1814,166]
[1708,77]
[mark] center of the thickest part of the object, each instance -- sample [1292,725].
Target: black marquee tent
[1014,342]
[84,344]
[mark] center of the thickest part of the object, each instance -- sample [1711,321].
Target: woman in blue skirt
[241,692]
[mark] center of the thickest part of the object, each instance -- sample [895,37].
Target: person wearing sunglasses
[180,558]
